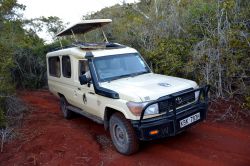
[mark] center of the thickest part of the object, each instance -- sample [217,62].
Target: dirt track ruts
[48,139]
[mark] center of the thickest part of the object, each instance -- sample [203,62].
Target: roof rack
[92,46]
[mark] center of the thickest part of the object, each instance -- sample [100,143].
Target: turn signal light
[154,132]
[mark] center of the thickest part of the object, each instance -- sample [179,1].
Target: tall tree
[9,25]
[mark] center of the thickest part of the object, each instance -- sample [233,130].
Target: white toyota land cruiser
[112,85]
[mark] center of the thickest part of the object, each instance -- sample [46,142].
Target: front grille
[181,100]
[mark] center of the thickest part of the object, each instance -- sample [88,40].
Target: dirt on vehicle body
[48,139]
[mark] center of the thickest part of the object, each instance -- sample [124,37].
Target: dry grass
[229,110]
[14,115]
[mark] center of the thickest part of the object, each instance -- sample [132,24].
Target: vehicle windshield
[113,67]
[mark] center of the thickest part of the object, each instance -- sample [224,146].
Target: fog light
[154,132]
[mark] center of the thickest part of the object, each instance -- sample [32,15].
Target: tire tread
[132,138]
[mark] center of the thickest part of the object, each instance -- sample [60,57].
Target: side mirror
[83,79]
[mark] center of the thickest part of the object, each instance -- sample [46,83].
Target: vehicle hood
[147,87]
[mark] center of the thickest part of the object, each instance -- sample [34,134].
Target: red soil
[48,139]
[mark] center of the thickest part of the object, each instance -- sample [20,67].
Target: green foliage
[52,25]
[22,52]
[247,103]
[208,41]
[2,110]
[8,18]
[205,40]
[9,9]
[169,56]
[6,63]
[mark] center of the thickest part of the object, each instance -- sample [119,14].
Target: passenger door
[87,98]
[66,80]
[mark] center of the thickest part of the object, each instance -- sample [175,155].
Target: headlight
[152,109]
[136,108]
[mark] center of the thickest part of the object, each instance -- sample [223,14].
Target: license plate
[189,120]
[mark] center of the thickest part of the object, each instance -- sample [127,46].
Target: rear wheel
[123,134]
[63,105]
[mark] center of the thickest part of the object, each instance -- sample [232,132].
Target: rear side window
[54,66]
[66,66]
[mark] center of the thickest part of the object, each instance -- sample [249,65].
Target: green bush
[248,102]
[2,116]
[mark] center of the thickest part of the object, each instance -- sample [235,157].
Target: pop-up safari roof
[84,27]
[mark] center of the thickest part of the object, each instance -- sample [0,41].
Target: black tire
[123,134]
[67,114]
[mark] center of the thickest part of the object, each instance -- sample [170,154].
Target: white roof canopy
[84,27]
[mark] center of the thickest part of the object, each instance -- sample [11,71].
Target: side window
[83,67]
[66,66]
[54,66]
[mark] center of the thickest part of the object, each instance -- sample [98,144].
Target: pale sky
[69,11]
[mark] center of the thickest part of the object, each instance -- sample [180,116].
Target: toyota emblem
[164,84]
[178,100]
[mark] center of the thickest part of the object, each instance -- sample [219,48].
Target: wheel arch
[109,111]
[61,95]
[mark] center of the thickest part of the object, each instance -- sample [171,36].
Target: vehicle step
[86,114]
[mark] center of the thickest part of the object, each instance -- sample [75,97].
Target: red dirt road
[48,139]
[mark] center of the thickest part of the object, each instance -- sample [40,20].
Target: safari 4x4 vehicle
[112,85]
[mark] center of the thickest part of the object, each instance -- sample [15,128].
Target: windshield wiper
[119,77]
[128,75]
[139,73]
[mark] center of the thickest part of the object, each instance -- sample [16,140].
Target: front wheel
[123,134]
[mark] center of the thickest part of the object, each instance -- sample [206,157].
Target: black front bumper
[168,124]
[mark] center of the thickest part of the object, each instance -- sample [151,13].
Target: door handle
[78,88]
[92,93]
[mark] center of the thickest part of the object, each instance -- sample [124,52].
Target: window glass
[83,67]
[54,66]
[119,66]
[66,66]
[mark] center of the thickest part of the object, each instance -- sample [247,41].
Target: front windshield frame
[147,68]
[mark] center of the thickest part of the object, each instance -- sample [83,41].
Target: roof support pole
[104,35]
[85,38]
[60,43]
[74,35]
